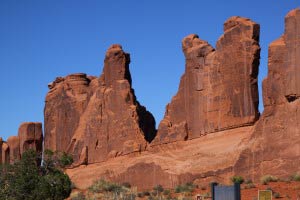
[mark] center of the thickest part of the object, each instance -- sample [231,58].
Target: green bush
[237,179]
[167,192]
[295,177]
[158,189]
[65,159]
[188,187]
[26,179]
[268,178]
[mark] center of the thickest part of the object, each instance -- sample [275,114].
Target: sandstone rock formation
[218,90]
[5,153]
[31,136]
[13,143]
[1,144]
[274,147]
[97,118]
[270,146]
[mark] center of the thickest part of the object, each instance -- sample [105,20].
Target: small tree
[158,189]
[28,180]
[237,179]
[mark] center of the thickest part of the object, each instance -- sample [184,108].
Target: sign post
[264,195]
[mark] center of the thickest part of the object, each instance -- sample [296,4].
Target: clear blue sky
[43,39]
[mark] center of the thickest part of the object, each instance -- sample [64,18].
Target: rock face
[218,90]
[13,143]
[97,118]
[31,136]
[5,153]
[274,147]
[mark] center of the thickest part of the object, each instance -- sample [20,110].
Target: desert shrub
[65,159]
[276,195]
[56,159]
[26,179]
[188,187]
[103,189]
[105,186]
[268,178]
[167,192]
[295,177]
[237,179]
[158,189]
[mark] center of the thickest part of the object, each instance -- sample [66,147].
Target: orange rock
[99,113]
[13,143]
[218,90]
[274,147]
[31,136]
[5,153]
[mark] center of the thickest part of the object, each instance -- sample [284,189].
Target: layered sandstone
[274,147]
[202,160]
[97,118]
[218,90]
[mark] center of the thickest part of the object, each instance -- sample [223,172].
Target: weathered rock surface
[31,136]
[5,153]
[209,158]
[13,143]
[1,144]
[274,147]
[218,90]
[97,118]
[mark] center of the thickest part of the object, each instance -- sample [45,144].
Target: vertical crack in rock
[218,90]
[97,112]
[274,145]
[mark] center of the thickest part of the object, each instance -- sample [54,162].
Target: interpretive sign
[264,195]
